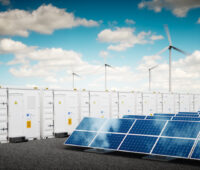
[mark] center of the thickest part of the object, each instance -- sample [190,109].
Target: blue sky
[43,42]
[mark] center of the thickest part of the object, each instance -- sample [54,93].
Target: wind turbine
[170,47]
[73,76]
[151,68]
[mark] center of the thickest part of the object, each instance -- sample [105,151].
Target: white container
[3,116]
[46,114]
[149,103]
[114,105]
[84,104]
[100,104]
[176,103]
[23,114]
[66,111]
[126,103]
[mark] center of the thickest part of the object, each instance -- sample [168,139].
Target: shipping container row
[27,114]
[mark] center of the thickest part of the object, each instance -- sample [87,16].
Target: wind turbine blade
[153,67]
[168,34]
[162,51]
[76,74]
[107,65]
[179,50]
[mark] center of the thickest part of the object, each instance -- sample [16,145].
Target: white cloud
[178,7]
[44,20]
[123,38]
[198,21]
[156,37]
[5,2]
[129,21]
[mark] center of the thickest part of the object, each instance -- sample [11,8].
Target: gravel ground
[52,154]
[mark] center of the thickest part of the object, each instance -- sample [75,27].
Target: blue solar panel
[187,115]
[148,127]
[91,124]
[196,153]
[173,147]
[159,117]
[186,118]
[163,114]
[118,125]
[134,116]
[182,129]
[80,138]
[135,143]
[107,140]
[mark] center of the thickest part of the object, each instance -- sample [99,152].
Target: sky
[43,42]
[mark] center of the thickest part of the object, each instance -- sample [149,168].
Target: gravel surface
[52,154]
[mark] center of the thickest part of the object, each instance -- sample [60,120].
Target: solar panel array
[172,138]
[190,116]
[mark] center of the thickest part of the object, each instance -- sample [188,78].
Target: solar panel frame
[139,123]
[159,117]
[184,118]
[134,117]
[164,114]
[178,121]
[175,156]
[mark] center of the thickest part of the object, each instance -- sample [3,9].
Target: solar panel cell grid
[196,153]
[91,124]
[173,147]
[138,143]
[134,116]
[182,129]
[159,117]
[117,125]
[186,118]
[148,127]
[107,141]
[188,115]
[80,138]
[164,114]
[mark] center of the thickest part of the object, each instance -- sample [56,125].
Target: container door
[47,115]
[84,104]
[32,114]
[72,110]
[114,105]
[168,103]
[159,103]
[16,114]
[126,104]
[138,103]
[184,103]
[3,116]
[191,103]
[196,102]
[100,104]
[60,113]
[149,103]
[176,103]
